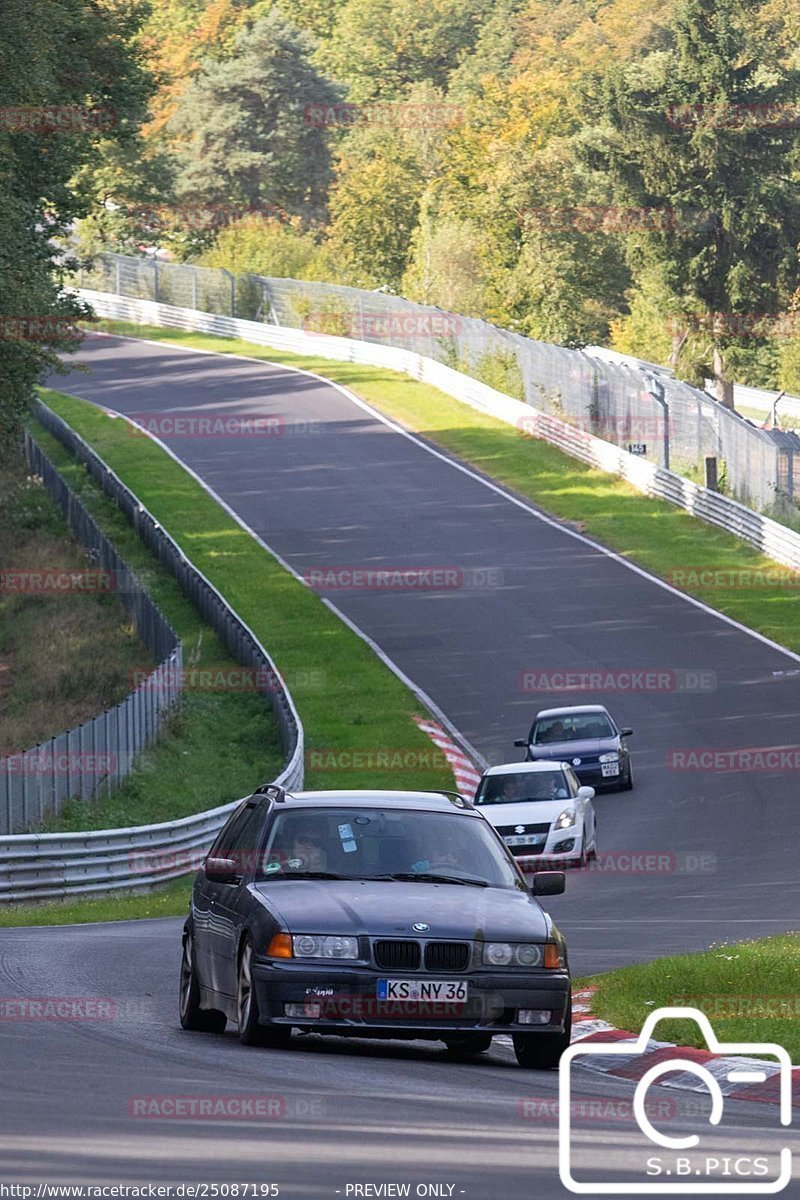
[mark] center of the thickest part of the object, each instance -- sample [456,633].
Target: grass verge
[65,655]
[667,541]
[750,992]
[169,900]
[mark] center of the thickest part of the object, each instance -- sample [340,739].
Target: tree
[379,47]
[698,131]
[59,107]
[252,246]
[243,129]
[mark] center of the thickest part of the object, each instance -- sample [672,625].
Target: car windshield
[586,727]
[523,786]
[379,843]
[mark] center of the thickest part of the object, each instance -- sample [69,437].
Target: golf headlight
[566,819]
[306,945]
[512,954]
[612,756]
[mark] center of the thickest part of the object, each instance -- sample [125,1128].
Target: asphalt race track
[341,489]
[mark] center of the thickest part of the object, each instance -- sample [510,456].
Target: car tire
[470,1043]
[542,1051]
[627,783]
[251,1031]
[200,1020]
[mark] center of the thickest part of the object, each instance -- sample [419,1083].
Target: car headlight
[307,945]
[512,954]
[566,819]
[612,756]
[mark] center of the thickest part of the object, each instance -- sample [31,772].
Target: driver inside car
[308,852]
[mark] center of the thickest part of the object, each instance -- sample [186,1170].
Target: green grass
[649,532]
[750,992]
[219,745]
[169,900]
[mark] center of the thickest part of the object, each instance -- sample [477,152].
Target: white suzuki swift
[541,811]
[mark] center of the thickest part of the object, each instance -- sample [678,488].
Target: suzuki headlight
[566,819]
[308,945]
[612,756]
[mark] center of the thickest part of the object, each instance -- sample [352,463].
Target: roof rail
[463,801]
[274,790]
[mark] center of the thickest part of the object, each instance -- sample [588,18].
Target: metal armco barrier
[94,757]
[775,540]
[40,866]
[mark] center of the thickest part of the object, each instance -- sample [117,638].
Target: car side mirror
[222,870]
[548,883]
[522,742]
[585,793]
[625,732]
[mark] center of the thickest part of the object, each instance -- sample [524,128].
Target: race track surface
[341,489]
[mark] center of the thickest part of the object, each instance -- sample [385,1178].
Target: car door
[206,900]
[232,900]
[204,895]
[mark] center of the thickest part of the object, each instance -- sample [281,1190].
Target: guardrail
[92,758]
[774,539]
[39,866]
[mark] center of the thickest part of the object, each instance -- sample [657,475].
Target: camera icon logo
[681,1168]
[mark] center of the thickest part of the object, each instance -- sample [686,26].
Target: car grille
[447,956]
[527,851]
[397,955]
[511,830]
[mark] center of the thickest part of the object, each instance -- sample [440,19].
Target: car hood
[390,909]
[531,812]
[566,751]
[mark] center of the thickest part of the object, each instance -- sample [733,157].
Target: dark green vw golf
[373,914]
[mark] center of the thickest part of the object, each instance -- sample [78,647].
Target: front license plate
[609,769]
[526,839]
[450,991]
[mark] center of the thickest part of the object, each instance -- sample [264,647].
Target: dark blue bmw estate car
[377,914]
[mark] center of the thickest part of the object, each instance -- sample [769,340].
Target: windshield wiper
[428,877]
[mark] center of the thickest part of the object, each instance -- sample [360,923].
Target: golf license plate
[449,991]
[524,839]
[609,769]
